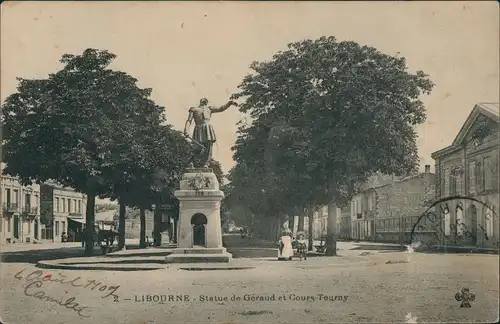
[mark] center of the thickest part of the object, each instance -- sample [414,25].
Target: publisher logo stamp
[465,297]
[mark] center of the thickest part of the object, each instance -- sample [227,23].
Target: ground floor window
[8,224]
[57,227]
[447,224]
[489,225]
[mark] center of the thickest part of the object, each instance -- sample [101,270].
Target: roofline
[397,181]
[469,121]
[447,150]
[478,109]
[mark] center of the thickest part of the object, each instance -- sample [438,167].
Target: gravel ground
[424,286]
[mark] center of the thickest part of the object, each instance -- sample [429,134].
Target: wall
[400,204]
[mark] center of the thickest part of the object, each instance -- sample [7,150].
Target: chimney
[427,168]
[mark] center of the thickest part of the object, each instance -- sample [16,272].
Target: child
[301,246]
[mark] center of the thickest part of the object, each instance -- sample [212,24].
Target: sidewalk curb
[62,266]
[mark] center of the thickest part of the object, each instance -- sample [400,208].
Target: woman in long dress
[285,249]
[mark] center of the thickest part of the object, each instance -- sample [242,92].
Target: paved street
[317,290]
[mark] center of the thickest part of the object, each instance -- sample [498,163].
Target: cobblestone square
[368,287]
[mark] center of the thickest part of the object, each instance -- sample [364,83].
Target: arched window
[198,219]
[447,222]
[456,181]
[472,217]
[488,218]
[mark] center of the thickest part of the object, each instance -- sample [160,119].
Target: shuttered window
[487,173]
[472,177]
[446,182]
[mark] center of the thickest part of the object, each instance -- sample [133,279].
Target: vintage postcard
[249,162]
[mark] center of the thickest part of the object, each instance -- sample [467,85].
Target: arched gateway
[199,223]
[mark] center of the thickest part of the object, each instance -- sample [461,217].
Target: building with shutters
[20,212]
[470,167]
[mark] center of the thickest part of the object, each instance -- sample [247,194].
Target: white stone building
[66,208]
[20,212]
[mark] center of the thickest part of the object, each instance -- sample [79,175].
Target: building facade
[386,207]
[320,223]
[469,167]
[400,204]
[20,213]
[363,207]
[63,211]
[344,223]
[320,219]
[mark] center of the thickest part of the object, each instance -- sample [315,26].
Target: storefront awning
[78,220]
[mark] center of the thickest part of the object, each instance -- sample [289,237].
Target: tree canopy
[78,123]
[93,129]
[325,116]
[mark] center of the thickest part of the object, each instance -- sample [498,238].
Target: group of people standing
[287,245]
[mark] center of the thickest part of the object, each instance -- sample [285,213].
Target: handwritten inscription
[34,287]
[432,228]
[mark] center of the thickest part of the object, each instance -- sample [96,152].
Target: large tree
[76,126]
[337,112]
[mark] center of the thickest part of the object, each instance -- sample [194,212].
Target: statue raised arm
[203,132]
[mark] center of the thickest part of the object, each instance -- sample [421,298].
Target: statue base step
[198,255]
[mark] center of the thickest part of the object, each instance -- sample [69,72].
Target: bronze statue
[203,133]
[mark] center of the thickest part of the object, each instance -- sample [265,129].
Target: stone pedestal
[199,232]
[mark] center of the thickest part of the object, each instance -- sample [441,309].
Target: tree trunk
[278,225]
[170,229]
[331,242]
[89,224]
[174,234]
[300,227]
[291,225]
[270,228]
[142,237]
[157,224]
[121,226]
[310,229]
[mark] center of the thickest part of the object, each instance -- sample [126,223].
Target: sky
[188,50]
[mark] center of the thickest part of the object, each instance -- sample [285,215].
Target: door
[36,229]
[199,235]
[16,226]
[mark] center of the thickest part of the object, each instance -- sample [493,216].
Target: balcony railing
[11,207]
[30,210]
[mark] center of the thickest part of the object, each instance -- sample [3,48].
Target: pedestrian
[302,245]
[285,250]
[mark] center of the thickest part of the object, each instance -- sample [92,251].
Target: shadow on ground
[236,245]
[33,256]
[376,247]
